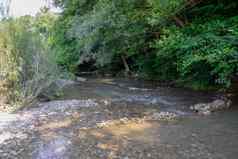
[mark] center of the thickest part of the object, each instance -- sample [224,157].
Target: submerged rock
[54,90]
[166,116]
[207,108]
[106,102]
[155,116]
[81,79]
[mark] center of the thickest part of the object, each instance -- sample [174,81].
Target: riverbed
[106,118]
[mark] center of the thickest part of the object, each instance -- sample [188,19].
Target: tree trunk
[127,68]
[179,21]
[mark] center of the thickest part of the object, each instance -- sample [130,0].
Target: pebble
[167,116]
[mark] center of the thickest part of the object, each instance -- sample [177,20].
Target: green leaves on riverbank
[27,66]
[202,54]
[190,42]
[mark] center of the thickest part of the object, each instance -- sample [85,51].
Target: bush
[199,54]
[27,66]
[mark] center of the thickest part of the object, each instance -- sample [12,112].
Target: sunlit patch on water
[4,136]
[142,131]
[57,124]
[6,117]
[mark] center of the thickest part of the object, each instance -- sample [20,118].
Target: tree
[168,40]
[95,27]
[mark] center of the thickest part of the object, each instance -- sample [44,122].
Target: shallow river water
[105,119]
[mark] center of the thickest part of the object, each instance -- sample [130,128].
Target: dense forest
[190,43]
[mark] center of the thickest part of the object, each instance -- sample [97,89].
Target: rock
[81,79]
[54,90]
[207,108]
[207,112]
[167,116]
[220,104]
[106,102]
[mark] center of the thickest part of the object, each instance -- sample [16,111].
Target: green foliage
[163,10]
[27,66]
[190,42]
[204,54]
[106,30]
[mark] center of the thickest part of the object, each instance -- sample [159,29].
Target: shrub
[201,54]
[27,66]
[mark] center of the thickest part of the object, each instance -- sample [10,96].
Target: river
[106,118]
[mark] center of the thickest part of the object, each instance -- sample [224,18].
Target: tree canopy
[191,41]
